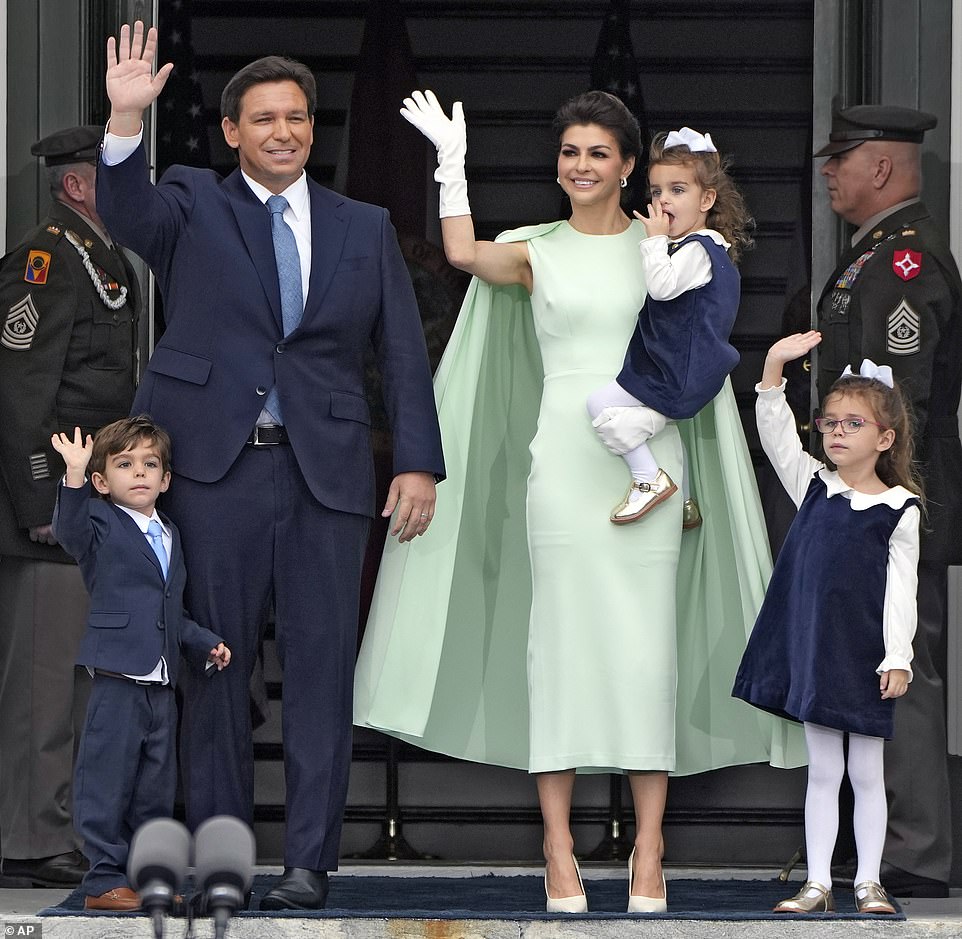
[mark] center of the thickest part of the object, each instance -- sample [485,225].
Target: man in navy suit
[136,630]
[270,425]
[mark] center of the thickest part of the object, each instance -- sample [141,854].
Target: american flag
[181,122]
[615,70]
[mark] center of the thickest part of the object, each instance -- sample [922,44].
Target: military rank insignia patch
[907,264]
[903,333]
[38,266]
[20,325]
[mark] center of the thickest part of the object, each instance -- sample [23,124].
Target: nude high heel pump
[575,904]
[646,904]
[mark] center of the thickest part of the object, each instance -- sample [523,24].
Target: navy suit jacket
[135,616]
[208,241]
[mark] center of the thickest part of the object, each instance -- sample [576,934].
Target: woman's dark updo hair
[607,111]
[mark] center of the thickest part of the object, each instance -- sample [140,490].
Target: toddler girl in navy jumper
[832,645]
[679,355]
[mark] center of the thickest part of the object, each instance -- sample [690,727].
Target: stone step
[925,918]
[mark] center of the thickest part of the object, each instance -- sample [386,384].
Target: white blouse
[670,275]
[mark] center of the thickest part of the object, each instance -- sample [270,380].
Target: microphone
[157,864]
[224,854]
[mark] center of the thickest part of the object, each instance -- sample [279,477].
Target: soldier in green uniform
[68,325]
[895,297]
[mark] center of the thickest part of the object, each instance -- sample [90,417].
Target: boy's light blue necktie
[156,536]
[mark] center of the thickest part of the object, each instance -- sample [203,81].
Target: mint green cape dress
[526,630]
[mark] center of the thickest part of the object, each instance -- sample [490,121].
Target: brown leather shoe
[120,899]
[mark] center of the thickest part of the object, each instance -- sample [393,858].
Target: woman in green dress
[527,630]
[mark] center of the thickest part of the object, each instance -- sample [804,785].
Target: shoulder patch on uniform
[903,332]
[38,266]
[907,263]
[20,325]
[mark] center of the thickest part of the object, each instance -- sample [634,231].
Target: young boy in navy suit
[131,560]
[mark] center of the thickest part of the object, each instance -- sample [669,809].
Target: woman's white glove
[450,137]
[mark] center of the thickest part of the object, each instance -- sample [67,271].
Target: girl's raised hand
[655,222]
[794,346]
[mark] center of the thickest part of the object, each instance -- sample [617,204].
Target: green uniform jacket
[66,360]
[895,298]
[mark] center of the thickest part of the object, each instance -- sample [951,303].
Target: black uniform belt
[268,435]
[136,681]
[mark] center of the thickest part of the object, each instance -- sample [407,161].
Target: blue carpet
[491,896]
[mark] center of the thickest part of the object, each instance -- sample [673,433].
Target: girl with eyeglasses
[832,644]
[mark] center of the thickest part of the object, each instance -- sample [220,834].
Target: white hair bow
[868,369]
[686,137]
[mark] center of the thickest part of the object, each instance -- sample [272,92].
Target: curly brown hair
[729,215]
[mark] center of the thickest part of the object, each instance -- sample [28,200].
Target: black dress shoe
[299,889]
[897,882]
[60,870]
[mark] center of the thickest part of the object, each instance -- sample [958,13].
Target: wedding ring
[424,515]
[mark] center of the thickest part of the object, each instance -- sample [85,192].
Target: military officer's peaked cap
[71,145]
[853,126]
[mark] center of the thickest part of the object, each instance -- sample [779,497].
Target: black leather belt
[136,681]
[268,435]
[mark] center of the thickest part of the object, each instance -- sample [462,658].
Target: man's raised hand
[132,85]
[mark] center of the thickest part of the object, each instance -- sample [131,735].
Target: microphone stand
[157,898]
[222,901]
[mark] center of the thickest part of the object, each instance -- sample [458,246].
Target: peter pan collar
[894,498]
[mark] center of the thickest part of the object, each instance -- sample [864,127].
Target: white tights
[826,766]
[641,461]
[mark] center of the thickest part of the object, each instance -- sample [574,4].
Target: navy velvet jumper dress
[818,638]
[679,354]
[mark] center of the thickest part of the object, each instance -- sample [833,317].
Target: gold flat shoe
[812,898]
[690,515]
[870,897]
[641,498]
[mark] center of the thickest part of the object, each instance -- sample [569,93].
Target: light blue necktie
[289,278]
[156,536]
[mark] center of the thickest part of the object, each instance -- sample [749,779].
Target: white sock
[641,461]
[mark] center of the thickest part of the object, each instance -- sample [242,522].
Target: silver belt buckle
[257,442]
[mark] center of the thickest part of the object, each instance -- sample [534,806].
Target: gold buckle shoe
[690,515]
[812,898]
[870,897]
[646,497]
